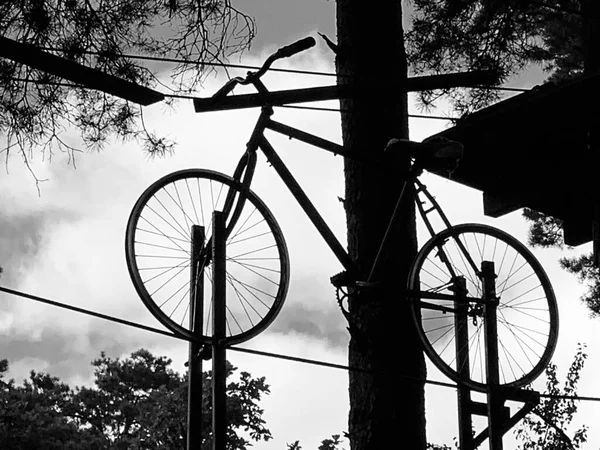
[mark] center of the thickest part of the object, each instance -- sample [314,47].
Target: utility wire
[253,351]
[316,108]
[191,97]
[90,313]
[243,66]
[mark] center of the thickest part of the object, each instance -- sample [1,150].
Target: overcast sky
[67,244]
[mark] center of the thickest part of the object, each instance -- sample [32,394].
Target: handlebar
[252,77]
[296,47]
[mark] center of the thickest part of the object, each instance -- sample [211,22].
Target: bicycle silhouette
[463,280]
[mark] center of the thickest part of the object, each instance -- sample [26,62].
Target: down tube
[308,207]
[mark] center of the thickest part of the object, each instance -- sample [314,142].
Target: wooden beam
[577,230]
[69,70]
[496,206]
[322,93]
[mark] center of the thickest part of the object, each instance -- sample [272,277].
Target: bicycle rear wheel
[527,315]
[158,252]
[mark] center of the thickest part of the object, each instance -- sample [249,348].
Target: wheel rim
[158,249]
[527,317]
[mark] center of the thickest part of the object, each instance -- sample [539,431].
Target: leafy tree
[544,429]
[137,403]
[332,443]
[541,429]
[33,415]
[547,231]
[35,108]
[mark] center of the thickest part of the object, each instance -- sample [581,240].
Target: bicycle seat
[434,153]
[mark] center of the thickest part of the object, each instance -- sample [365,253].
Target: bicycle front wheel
[158,252]
[527,315]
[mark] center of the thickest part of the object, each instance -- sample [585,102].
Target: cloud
[308,312]
[22,237]
[68,354]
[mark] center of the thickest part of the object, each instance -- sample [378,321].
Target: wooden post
[219,328]
[494,398]
[461,330]
[196,311]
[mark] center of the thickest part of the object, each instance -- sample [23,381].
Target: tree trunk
[387,407]
[591,63]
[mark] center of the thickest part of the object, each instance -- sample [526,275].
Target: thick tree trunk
[387,407]
[591,63]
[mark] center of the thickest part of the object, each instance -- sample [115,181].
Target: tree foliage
[547,231]
[137,403]
[505,36]
[545,428]
[35,107]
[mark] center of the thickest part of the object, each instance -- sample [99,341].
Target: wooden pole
[219,327]
[494,398]
[194,417]
[461,330]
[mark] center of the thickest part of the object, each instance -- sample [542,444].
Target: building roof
[532,150]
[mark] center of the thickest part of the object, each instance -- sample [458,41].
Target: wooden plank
[69,70]
[577,230]
[496,206]
[322,93]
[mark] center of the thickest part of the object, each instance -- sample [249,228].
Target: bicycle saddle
[432,153]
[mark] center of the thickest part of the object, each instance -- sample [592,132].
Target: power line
[190,62]
[191,97]
[253,351]
[243,66]
[316,108]
[90,313]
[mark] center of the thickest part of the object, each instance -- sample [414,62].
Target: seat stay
[420,188]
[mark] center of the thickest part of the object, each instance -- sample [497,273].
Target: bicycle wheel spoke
[241,300]
[170,238]
[240,228]
[256,236]
[159,246]
[185,233]
[268,269]
[161,234]
[167,270]
[254,251]
[189,191]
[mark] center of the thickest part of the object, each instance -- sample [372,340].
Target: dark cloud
[325,323]
[68,354]
[21,238]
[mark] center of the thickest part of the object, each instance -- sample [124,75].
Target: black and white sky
[66,243]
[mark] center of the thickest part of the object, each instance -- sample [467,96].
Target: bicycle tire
[257,261]
[527,314]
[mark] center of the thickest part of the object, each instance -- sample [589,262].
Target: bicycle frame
[259,141]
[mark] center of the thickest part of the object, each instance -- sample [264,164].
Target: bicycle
[450,285]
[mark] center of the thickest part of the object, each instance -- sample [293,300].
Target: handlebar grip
[296,47]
